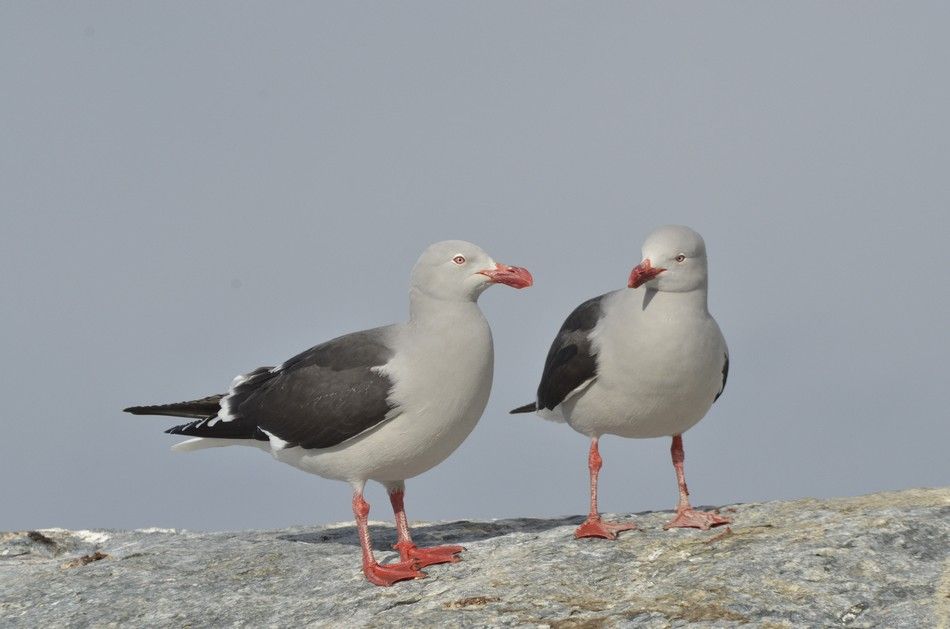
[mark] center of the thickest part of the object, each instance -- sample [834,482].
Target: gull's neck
[668,302]
[426,310]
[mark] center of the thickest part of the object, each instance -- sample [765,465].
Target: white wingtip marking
[276,443]
[201,443]
[224,415]
[190,445]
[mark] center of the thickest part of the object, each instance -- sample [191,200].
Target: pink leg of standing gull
[686,516]
[593,526]
[377,573]
[407,550]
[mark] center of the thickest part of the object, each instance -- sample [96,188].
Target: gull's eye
[459,260]
[680,258]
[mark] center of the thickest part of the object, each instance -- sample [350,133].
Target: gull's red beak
[643,273]
[514,276]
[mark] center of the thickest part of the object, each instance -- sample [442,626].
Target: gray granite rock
[874,561]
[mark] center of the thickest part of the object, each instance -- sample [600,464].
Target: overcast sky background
[191,190]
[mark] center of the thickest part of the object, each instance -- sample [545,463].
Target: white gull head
[455,270]
[674,260]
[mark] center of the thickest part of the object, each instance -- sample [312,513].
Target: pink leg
[593,526]
[410,552]
[377,573]
[686,516]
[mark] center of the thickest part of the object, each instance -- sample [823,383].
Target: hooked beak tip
[514,276]
[643,273]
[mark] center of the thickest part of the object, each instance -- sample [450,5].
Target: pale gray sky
[190,190]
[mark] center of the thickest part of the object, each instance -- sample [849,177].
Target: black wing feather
[527,408]
[322,396]
[236,429]
[725,376]
[205,407]
[571,361]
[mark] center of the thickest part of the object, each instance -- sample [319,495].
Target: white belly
[654,385]
[401,448]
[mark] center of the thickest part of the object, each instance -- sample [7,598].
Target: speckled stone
[874,561]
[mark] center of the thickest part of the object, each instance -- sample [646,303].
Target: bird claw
[595,527]
[385,574]
[690,518]
[431,556]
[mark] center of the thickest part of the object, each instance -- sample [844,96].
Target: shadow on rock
[459,532]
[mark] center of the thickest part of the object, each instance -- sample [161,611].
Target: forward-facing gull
[645,361]
[385,404]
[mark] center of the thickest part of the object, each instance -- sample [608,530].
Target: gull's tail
[203,408]
[527,408]
[208,428]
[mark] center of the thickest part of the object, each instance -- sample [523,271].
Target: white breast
[659,369]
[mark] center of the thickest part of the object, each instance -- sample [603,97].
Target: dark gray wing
[317,399]
[571,360]
[322,396]
[725,376]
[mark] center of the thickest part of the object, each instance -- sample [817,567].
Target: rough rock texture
[875,561]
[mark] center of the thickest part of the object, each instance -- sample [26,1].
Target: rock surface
[874,561]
